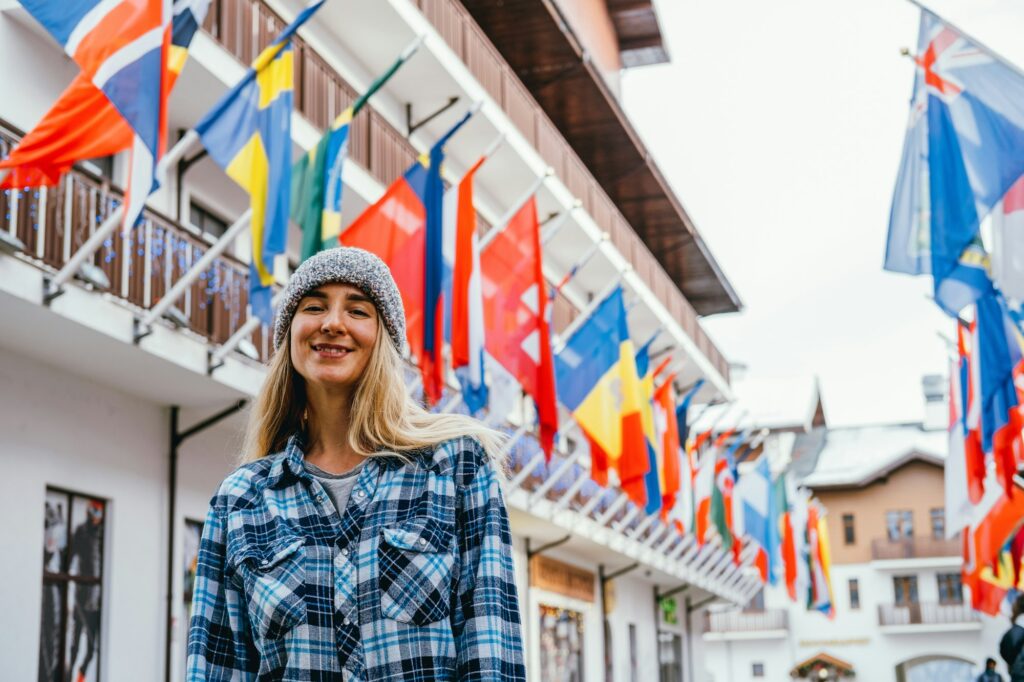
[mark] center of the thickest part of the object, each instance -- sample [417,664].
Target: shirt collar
[289,462]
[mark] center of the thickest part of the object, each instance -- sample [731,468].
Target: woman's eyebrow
[359,298]
[316,293]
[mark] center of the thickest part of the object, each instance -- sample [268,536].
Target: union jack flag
[122,47]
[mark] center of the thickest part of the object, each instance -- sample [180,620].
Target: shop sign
[561,578]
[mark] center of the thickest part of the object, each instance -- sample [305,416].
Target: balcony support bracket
[658,594]
[608,577]
[534,551]
[413,127]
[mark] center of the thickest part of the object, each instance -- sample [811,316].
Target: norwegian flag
[515,308]
[122,48]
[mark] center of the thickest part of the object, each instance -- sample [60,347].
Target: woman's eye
[361,313]
[312,307]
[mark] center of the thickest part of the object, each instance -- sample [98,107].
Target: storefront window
[561,645]
[189,559]
[670,657]
[69,642]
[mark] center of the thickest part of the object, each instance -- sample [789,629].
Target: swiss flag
[516,316]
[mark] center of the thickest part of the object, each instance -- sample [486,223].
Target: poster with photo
[190,557]
[72,587]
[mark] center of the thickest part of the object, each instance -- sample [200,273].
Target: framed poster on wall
[72,608]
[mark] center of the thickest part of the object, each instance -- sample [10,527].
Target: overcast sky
[780,126]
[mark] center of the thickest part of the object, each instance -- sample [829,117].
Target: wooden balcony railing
[54,222]
[926,613]
[915,548]
[746,621]
[244,27]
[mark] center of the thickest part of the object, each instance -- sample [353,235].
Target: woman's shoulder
[461,457]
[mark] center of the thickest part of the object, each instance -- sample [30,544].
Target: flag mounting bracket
[413,127]
[534,551]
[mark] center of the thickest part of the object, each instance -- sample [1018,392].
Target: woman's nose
[333,322]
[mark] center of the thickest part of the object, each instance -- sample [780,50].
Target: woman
[363,539]
[1013,641]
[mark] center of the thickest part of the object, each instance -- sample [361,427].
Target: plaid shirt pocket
[273,576]
[416,566]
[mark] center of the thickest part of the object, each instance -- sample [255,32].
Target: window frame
[945,582]
[853,587]
[849,529]
[904,525]
[757,669]
[940,514]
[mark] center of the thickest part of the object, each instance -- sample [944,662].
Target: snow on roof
[859,454]
[763,402]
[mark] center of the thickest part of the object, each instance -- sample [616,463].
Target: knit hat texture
[345,265]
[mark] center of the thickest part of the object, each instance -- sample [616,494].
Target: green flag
[316,177]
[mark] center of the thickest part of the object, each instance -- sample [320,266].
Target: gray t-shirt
[338,486]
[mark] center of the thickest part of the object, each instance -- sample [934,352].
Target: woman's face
[332,335]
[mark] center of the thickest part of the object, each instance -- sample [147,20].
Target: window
[757,670]
[634,664]
[938,517]
[206,221]
[102,166]
[905,590]
[756,603]
[73,531]
[849,537]
[561,644]
[899,524]
[670,657]
[854,594]
[951,590]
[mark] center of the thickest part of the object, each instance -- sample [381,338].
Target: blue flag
[964,148]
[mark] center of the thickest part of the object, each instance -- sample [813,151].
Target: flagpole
[53,287]
[403,57]
[503,221]
[185,281]
[578,265]
[216,357]
[562,339]
[549,232]
[982,46]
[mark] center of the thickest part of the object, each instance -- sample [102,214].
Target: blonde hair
[384,416]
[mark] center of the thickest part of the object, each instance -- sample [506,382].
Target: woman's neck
[327,430]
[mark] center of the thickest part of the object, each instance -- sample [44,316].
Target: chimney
[936,402]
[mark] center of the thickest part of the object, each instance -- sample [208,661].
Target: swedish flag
[248,133]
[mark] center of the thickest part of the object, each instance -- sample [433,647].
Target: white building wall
[634,605]
[59,430]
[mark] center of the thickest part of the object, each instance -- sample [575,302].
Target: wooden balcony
[884,549]
[244,27]
[746,621]
[54,222]
[926,613]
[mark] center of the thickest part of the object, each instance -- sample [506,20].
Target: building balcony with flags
[126,380]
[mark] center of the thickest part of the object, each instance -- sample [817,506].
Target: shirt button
[344,552]
[346,622]
[422,542]
[360,494]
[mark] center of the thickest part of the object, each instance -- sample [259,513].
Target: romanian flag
[654,481]
[516,311]
[316,179]
[248,134]
[83,123]
[595,373]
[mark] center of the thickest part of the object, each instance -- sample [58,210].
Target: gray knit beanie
[345,265]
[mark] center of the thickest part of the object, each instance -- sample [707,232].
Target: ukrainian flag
[597,381]
[248,133]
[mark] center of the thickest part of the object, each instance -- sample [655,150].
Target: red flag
[664,401]
[515,311]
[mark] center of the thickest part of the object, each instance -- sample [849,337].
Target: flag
[466,295]
[654,478]
[682,412]
[820,596]
[753,495]
[248,134]
[83,123]
[964,148]
[122,48]
[594,373]
[316,178]
[667,429]
[787,569]
[515,308]
[397,228]
[1000,418]
[798,503]
[722,507]
[703,484]
[1008,242]
[970,397]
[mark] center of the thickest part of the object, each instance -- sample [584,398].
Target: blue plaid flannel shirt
[414,581]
